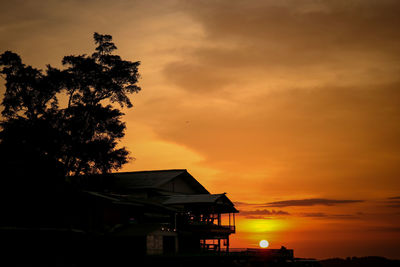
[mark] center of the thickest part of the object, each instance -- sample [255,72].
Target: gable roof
[219,201]
[191,199]
[126,200]
[155,179]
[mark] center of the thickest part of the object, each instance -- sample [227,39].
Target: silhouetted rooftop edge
[155,179]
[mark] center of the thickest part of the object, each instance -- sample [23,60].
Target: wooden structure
[197,221]
[121,215]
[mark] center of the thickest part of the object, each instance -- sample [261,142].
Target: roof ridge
[168,170]
[209,194]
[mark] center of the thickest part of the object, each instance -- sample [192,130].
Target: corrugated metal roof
[154,179]
[147,179]
[130,201]
[188,199]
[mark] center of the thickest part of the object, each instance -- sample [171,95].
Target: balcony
[198,227]
[210,225]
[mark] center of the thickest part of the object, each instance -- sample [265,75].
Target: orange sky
[272,102]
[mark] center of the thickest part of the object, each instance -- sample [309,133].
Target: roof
[219,202]
[129,201]
[154,179]
[187,199]
[148,178]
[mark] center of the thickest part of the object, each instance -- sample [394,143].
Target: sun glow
[263,225]
[264,243]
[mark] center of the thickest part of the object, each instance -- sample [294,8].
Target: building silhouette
[159,212]
[163,212]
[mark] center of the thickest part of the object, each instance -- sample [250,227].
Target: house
[119,216]
[159,212]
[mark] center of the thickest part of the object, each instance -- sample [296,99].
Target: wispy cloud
[257,217]
[282,36]
[313,214]
[239,203]
[310,202]
[268,214]
[264,212]
[393,202]
[323,215]
[384,229]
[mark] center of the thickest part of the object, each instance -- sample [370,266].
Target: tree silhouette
[42,138]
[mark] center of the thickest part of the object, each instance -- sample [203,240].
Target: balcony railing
[206,227]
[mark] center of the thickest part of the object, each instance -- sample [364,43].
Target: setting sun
[264,243]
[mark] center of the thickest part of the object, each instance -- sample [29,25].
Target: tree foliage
[40,136]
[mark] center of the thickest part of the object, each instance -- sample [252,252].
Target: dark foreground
[109,259]
[208,261]
[360,261]
[75,251]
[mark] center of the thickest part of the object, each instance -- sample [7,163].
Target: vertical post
[234,222]
[227,245]
[219,219]
[219,245]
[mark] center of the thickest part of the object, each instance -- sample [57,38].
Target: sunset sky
[291,107]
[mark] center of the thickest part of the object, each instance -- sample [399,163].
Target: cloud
[197,77]
[389,229]
[323,215]
[310,202]
[393,202]
[239,203]
[318,140]
[247,203]
[263,212]
[314,214]
[252,217]
[267,214]
[339,41]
